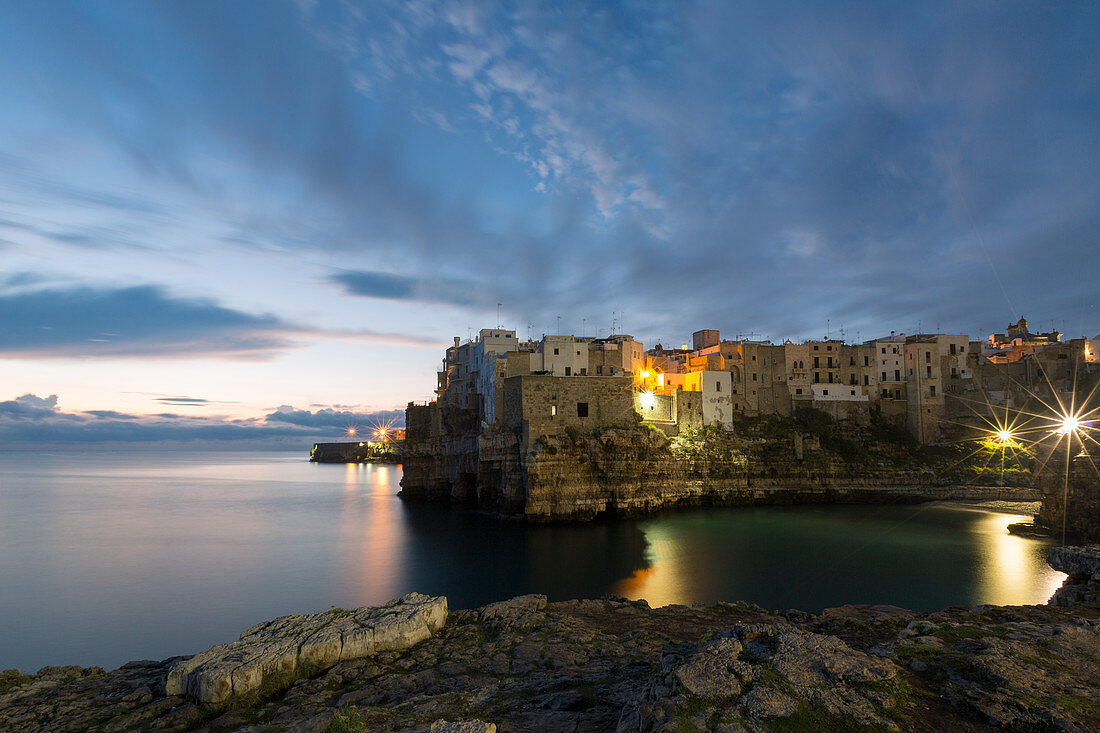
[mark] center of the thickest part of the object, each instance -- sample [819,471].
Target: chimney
[457,340]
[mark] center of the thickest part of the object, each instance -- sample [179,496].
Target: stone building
[1017,343]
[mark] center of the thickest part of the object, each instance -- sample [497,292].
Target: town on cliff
[570,427]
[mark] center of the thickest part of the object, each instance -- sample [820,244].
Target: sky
[264,221]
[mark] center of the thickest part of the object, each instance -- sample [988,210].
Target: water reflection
[110,557]
[924,558]
[1011,567]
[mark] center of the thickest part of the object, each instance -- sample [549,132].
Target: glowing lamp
[644,374]
[1004,436]
[351,431]
[1070,424]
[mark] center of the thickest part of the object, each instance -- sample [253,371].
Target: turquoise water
[108,557]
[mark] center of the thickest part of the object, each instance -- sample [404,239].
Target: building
[1016,343]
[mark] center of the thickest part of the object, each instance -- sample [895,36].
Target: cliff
[1070,487]
[575,474]
[613,665]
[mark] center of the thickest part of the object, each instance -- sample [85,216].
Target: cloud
[689,163]
[29,406]
[192,401]
[335,419]
[130,322]
[31,420]
[399,287]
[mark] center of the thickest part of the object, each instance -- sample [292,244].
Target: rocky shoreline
[609,665]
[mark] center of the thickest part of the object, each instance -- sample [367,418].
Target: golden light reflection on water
[375,558]
[1007,569]
[1012,569]
[662,582]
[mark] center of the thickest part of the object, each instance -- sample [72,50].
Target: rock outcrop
[276,653]
[602,665]
[1082,565]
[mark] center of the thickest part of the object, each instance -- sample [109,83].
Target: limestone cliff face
[1071,494]
[574,475]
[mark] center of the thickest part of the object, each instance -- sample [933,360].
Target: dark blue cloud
[136,321]
[387,286]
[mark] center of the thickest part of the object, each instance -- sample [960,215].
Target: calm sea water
[108,557]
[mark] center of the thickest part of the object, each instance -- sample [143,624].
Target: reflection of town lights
[1070,424]
[648,400]
[1004,436]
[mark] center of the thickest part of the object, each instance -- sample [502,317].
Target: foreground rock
[276,653]
[615,664]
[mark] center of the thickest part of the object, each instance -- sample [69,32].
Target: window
[815,347]
[582,409]
[754,376]
[754,357]
[886,394]
[895,349]
[866,361]
[884,349]
[897,375]
[568,371]
[817,362]
[825,392]
[828,348]
[831,378]
[555,352]
[584,371]
[798,390]
[851,361]
[599,370]
[929,371]
[851,379]
[817,377]
[884,376]
[578,353]
[553,410]
[717,386]
[928,357]
[952,348]
[866,380]
[853,393]
[932,390]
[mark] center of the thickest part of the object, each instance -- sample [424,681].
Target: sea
[107,557]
